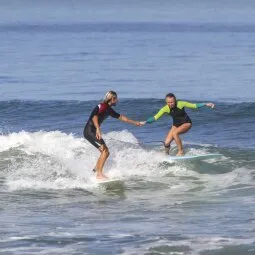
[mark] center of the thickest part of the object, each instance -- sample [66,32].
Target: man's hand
[133,122]
[139,123]
[98,134]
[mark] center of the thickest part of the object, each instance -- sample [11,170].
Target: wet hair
[171,95]
[109,95]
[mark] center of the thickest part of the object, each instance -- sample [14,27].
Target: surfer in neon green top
[181,121]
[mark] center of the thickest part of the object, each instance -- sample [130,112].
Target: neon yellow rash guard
[178,112]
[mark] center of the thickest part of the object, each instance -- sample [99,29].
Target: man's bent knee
[104,149]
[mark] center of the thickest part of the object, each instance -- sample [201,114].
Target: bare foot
[180,153]
[101,176]
[105,176]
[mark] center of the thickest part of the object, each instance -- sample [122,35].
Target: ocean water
[58,58]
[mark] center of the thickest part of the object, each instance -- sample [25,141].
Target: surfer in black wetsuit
[92,131]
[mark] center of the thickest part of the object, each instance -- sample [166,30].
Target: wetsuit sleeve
[150,120]
[160,113]
[201,105]
[95,112]
[114,114]
[190,105]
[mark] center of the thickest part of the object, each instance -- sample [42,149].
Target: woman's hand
[211,105]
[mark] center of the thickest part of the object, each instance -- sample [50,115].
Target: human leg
[178,131]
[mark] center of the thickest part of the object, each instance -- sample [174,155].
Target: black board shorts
[89,133]
[178,123]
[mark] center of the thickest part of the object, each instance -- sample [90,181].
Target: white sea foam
[194,245]
[56,160]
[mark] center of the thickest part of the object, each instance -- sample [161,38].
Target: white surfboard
[191,157]
[110,183]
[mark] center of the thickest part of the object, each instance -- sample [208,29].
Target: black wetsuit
[178,113]
[102,110]
[179,116]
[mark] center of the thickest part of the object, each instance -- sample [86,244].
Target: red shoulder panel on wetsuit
[102,107]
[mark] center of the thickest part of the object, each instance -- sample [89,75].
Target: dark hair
[171,95]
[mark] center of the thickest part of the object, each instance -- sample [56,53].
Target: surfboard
[191,157]
[111,183]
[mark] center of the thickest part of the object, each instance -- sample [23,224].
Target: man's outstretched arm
[127,120]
